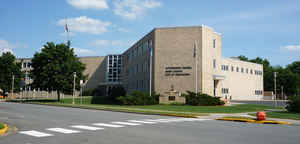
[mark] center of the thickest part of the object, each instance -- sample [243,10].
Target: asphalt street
[58,125]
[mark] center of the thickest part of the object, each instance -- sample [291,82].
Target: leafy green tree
[243,58]
[9,67]
[286,78]
[295,68]
[54,66]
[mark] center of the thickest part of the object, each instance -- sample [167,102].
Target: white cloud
[101,43]
[131,9]
[291,48]
[89,4]
[85,25]
[5,46]
[83,52]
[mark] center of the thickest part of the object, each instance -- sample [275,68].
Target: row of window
[139,84]
[26,65]
[139,49]
[258,92]
[225,90]
[242,70]
[144,67]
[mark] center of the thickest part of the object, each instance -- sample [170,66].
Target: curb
[3,130]
[254,121]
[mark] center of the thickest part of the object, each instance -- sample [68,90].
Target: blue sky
[268,29]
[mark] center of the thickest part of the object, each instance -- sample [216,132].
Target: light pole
[196,66]
[275,75]
[12,85]
[74,75]
[81,85]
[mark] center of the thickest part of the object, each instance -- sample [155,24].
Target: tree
[54,66]
[243,58]
[295,68]
[8,68]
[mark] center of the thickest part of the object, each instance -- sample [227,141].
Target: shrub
[201,99]
[88,92]
[139,98]
[116,92]
[293,105]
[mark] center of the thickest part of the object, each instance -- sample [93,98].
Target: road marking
[107,125]
[159,120]
[35,133]
[62,130]
[126,123]
[87,127]
[145,122]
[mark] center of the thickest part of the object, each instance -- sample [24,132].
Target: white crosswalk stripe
[62,130]
[145,122]
[87,127]
[35,133]
[159,120]
[107,125]
[115,124]
[126,123]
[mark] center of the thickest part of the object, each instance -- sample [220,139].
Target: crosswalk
[73,129]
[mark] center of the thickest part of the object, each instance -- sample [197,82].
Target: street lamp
[74,75]
[275,75]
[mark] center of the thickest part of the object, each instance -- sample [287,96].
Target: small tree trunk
[58,95]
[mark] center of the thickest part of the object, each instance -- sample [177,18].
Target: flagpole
[150,71]
[196,67]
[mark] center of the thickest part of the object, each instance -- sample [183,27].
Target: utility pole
[12,85]
[74,75]
[275,98]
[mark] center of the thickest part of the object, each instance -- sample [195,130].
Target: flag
[66,28]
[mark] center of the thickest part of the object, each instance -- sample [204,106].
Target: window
[225,90]
[214,63]
[237,69]
[242,70]
[246,70]
[251,71]
[258,92]
[171,98]
[232,68]
[214,43]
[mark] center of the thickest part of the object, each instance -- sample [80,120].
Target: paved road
[56,125]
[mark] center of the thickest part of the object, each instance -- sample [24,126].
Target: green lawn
[86,101]
[208,109]
[284,115]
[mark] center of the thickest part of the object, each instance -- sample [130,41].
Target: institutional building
[181,58]
[176,52]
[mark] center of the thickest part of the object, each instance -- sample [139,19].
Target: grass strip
[282,115]
[129,110]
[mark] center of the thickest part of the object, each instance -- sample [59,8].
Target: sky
[269,29]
